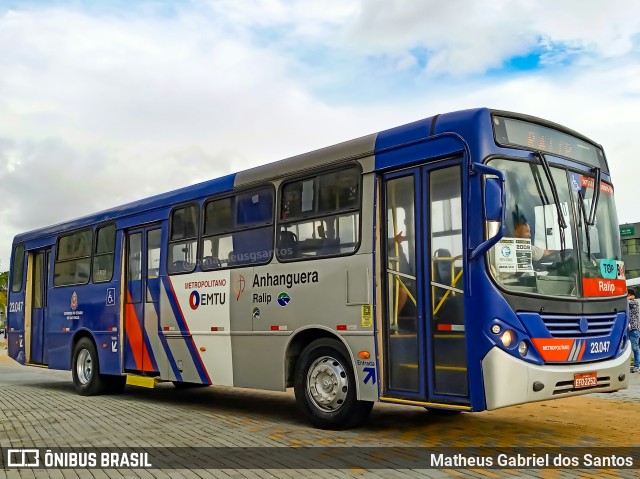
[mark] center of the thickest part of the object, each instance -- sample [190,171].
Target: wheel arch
[301,339]
[78,335]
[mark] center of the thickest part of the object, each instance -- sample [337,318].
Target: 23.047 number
[600,347]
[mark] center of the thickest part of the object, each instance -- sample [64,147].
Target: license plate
[585,380]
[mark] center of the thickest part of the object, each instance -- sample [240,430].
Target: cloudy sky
[105,102]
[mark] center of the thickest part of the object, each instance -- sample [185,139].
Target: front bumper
[509,381]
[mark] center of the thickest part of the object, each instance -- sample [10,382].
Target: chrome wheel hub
[327,383]
[84,367]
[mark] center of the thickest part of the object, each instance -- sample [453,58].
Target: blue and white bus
[467,261]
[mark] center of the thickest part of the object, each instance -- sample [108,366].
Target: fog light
[523,348]
[507,338]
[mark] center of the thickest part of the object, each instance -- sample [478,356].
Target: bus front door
[141,315]
[424,345]
[39,284]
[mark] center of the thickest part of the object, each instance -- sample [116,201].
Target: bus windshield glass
[536,255]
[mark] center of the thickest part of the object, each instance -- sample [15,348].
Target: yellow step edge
[36,365]
[425,403]
[141,381]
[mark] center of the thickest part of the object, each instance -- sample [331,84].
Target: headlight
[507,338]
[523,348]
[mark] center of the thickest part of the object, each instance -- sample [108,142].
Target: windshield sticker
[620,269]
[608,268]
[578,182]
[575,182]
[514,255]
[587,182]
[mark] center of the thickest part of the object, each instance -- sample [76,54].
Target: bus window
[183,239]
[238,230]
[73,259]
[153,265]
[18,269]
[320,216]
[104,254]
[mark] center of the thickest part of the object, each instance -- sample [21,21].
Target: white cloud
[464,36]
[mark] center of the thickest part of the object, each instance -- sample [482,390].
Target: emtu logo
[194,300]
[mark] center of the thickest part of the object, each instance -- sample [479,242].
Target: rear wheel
[86,371]
[325,386]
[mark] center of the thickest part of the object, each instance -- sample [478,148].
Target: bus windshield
[537,255]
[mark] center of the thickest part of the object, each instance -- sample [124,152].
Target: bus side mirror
[493,203]
[493,198]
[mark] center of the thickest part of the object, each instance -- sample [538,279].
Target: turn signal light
[364,355]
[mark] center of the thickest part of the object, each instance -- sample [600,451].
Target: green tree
[4,288]
[4,281]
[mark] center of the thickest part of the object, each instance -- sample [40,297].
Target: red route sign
[604,287]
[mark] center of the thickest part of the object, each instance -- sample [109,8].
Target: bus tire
[85,369]
[325,386]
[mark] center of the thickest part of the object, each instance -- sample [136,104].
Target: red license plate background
[585,380]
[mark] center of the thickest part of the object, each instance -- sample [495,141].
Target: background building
[630,240]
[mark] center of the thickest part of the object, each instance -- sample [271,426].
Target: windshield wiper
[596,196]
[587,226]
[554,192]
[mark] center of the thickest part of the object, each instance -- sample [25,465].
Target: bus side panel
[15,326]
[277,300]
[265,368]
[181,360]
[91,307]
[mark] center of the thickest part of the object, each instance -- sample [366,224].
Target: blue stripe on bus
[184,329]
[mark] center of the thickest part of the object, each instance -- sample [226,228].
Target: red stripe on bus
[584,345]
[136,339]
[445,327]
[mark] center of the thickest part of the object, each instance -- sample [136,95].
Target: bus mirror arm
[493,201]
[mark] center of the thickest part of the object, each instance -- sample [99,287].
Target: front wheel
[86,371]
[325,387]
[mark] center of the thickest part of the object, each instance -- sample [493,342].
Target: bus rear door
[39,274]
[141,315]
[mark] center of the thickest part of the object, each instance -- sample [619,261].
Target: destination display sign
[512,132]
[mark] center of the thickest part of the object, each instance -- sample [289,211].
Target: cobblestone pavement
[39,408]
